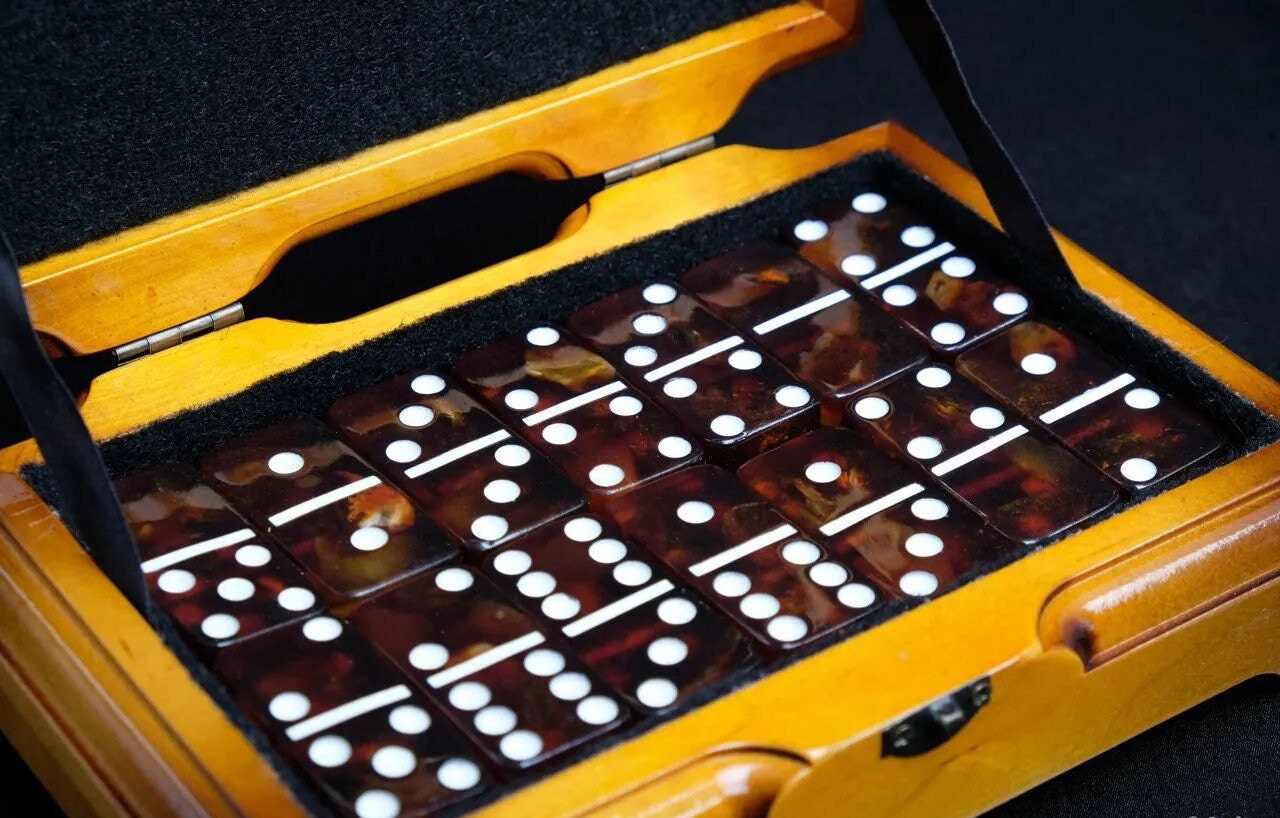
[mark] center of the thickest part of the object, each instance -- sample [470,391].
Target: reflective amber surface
[338,711]
[1122,424]
[874,514]
[352,531]
[476,479]
[949,299]
[833,339]
[743,555]
[738,401]
[571,405]
[220,580]
[1020,482]
[635,624]
[513,687]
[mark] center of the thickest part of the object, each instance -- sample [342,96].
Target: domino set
[465,575]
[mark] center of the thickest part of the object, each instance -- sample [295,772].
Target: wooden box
[1068,650]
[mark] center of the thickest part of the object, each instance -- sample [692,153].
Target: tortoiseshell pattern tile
[828,335]
[645,634]
[871,512]
[744,556]
[513,688]
[350,722]
[1113,419]
[571,405]
[948,299]
[214,575]
[1024,485]
[352,531]
[738,401]
[471,475]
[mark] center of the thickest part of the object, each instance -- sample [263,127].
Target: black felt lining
[436,340]
[184,102]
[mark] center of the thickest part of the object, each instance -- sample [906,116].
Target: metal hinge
[658,160]
[934,724]
[173,336]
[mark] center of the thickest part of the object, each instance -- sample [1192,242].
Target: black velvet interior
[224,96]
[436,340]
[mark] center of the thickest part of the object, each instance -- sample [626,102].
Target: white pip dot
[1142,398]
[857,265]
[745,359]
[792,397]
[640,355]
[899,295]
[1138,469]
[810,230]
[947,333]
[674,447]
[649,323]
[933,377]
[1037,363]
[403,451]
[869,203]
[959,267]
[823,471]
[659,293]
[542,336]
[728,425]
[872,408]
[286,463]
[1010,303]
[427,384]
[606,475]
[917,236]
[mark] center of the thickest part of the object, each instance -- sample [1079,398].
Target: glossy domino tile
[641,630]
[744,556]
[344,716]
[1112,418]
[1024,485]
[948,299]
[511,686]
[872,513]
[571,405]
[214,575]
[472,476]
[699,369]
[832,338]
[349,529]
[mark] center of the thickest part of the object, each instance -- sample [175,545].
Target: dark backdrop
[1149,131]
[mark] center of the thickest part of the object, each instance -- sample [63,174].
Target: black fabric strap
[92,510]
[1017,209]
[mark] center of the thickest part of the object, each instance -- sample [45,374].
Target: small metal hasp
[934,724]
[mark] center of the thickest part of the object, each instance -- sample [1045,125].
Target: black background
[1148,130]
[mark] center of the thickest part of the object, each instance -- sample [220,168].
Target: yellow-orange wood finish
[1086,642]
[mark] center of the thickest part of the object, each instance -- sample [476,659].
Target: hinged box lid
[550,88]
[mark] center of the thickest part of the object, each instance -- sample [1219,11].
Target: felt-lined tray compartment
[436,340]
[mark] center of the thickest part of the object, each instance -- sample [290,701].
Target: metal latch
[934,724]
[658,160]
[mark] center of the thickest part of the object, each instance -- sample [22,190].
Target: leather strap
[89,504]
[1019,212]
